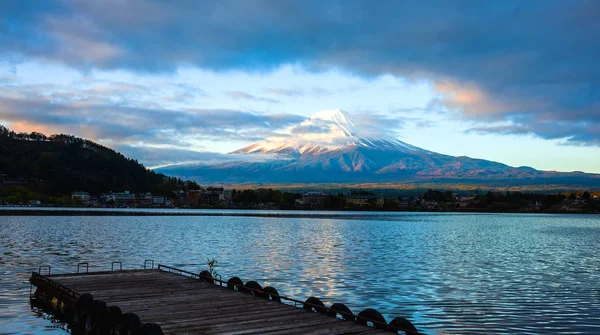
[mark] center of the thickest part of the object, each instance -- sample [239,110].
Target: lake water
[447,273]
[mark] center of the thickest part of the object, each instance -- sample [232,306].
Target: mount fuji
[330,148]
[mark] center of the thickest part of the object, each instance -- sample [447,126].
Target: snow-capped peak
[325,127]
[335,115]
[325,130]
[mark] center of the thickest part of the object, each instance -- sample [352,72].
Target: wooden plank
[221,315]
[155,290]
[264,325]
[183,305]
[346,327]
[159,305]
[237,318]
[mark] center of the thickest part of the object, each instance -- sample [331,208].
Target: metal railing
[112,266]
[37,278]
[149,261]
[87,267]
[44,267]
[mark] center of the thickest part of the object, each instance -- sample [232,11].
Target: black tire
[130,323]
[205,276]
[114,315]
[403,325]
[271,292]
[255,286]
[151,329]
[84,303]
[232,282]
[99,313]
[315,303]
[83,307]
[371,315]
[343,310]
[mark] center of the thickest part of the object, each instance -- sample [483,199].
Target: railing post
[86,266]
[149,261]
[43,267]
[112,266]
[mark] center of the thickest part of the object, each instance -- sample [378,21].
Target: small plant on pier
[212,266]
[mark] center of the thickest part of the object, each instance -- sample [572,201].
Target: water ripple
[448,273]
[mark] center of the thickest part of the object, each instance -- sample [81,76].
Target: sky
[168,82]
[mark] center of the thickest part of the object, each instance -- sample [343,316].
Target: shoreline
[317,214]
[312,213]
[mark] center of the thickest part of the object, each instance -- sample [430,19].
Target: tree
[586,196]
[60,164]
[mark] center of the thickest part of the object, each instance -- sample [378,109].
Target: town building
[193,197]
[158,200]
[120,198]
[314,198]
[213,195]
[364,200]
[431,204]
[81,196]
[144,199]
[179,198]
[7,181]
[569,205]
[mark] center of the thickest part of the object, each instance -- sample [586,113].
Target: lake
[449,273]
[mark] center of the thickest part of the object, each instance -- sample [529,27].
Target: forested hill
[61,164]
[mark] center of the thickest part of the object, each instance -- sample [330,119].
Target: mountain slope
[330,148]
[61,164]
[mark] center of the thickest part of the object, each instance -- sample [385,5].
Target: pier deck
[182,305]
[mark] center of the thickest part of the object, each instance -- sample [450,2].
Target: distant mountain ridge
[331,148]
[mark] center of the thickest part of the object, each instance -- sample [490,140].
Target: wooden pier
[184,303]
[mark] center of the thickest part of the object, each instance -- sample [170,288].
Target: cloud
[158,155]
[322,129]
[153,157]
[286,92]
[310,129]
[377,125]
[498,61]
[315,91]
[568,133]
[319,91]
[119,123]
[238,95]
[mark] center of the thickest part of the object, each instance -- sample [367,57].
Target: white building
[158,200]
[83,196]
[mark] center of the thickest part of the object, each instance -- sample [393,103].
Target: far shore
[274,213]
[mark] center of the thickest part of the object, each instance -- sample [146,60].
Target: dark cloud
[492,60]
[126,123]
[568,132]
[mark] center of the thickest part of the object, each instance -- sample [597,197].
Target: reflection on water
[448,273]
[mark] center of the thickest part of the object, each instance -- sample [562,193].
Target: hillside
[61,164]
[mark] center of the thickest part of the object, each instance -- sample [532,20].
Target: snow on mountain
[330,147]
[325,131]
